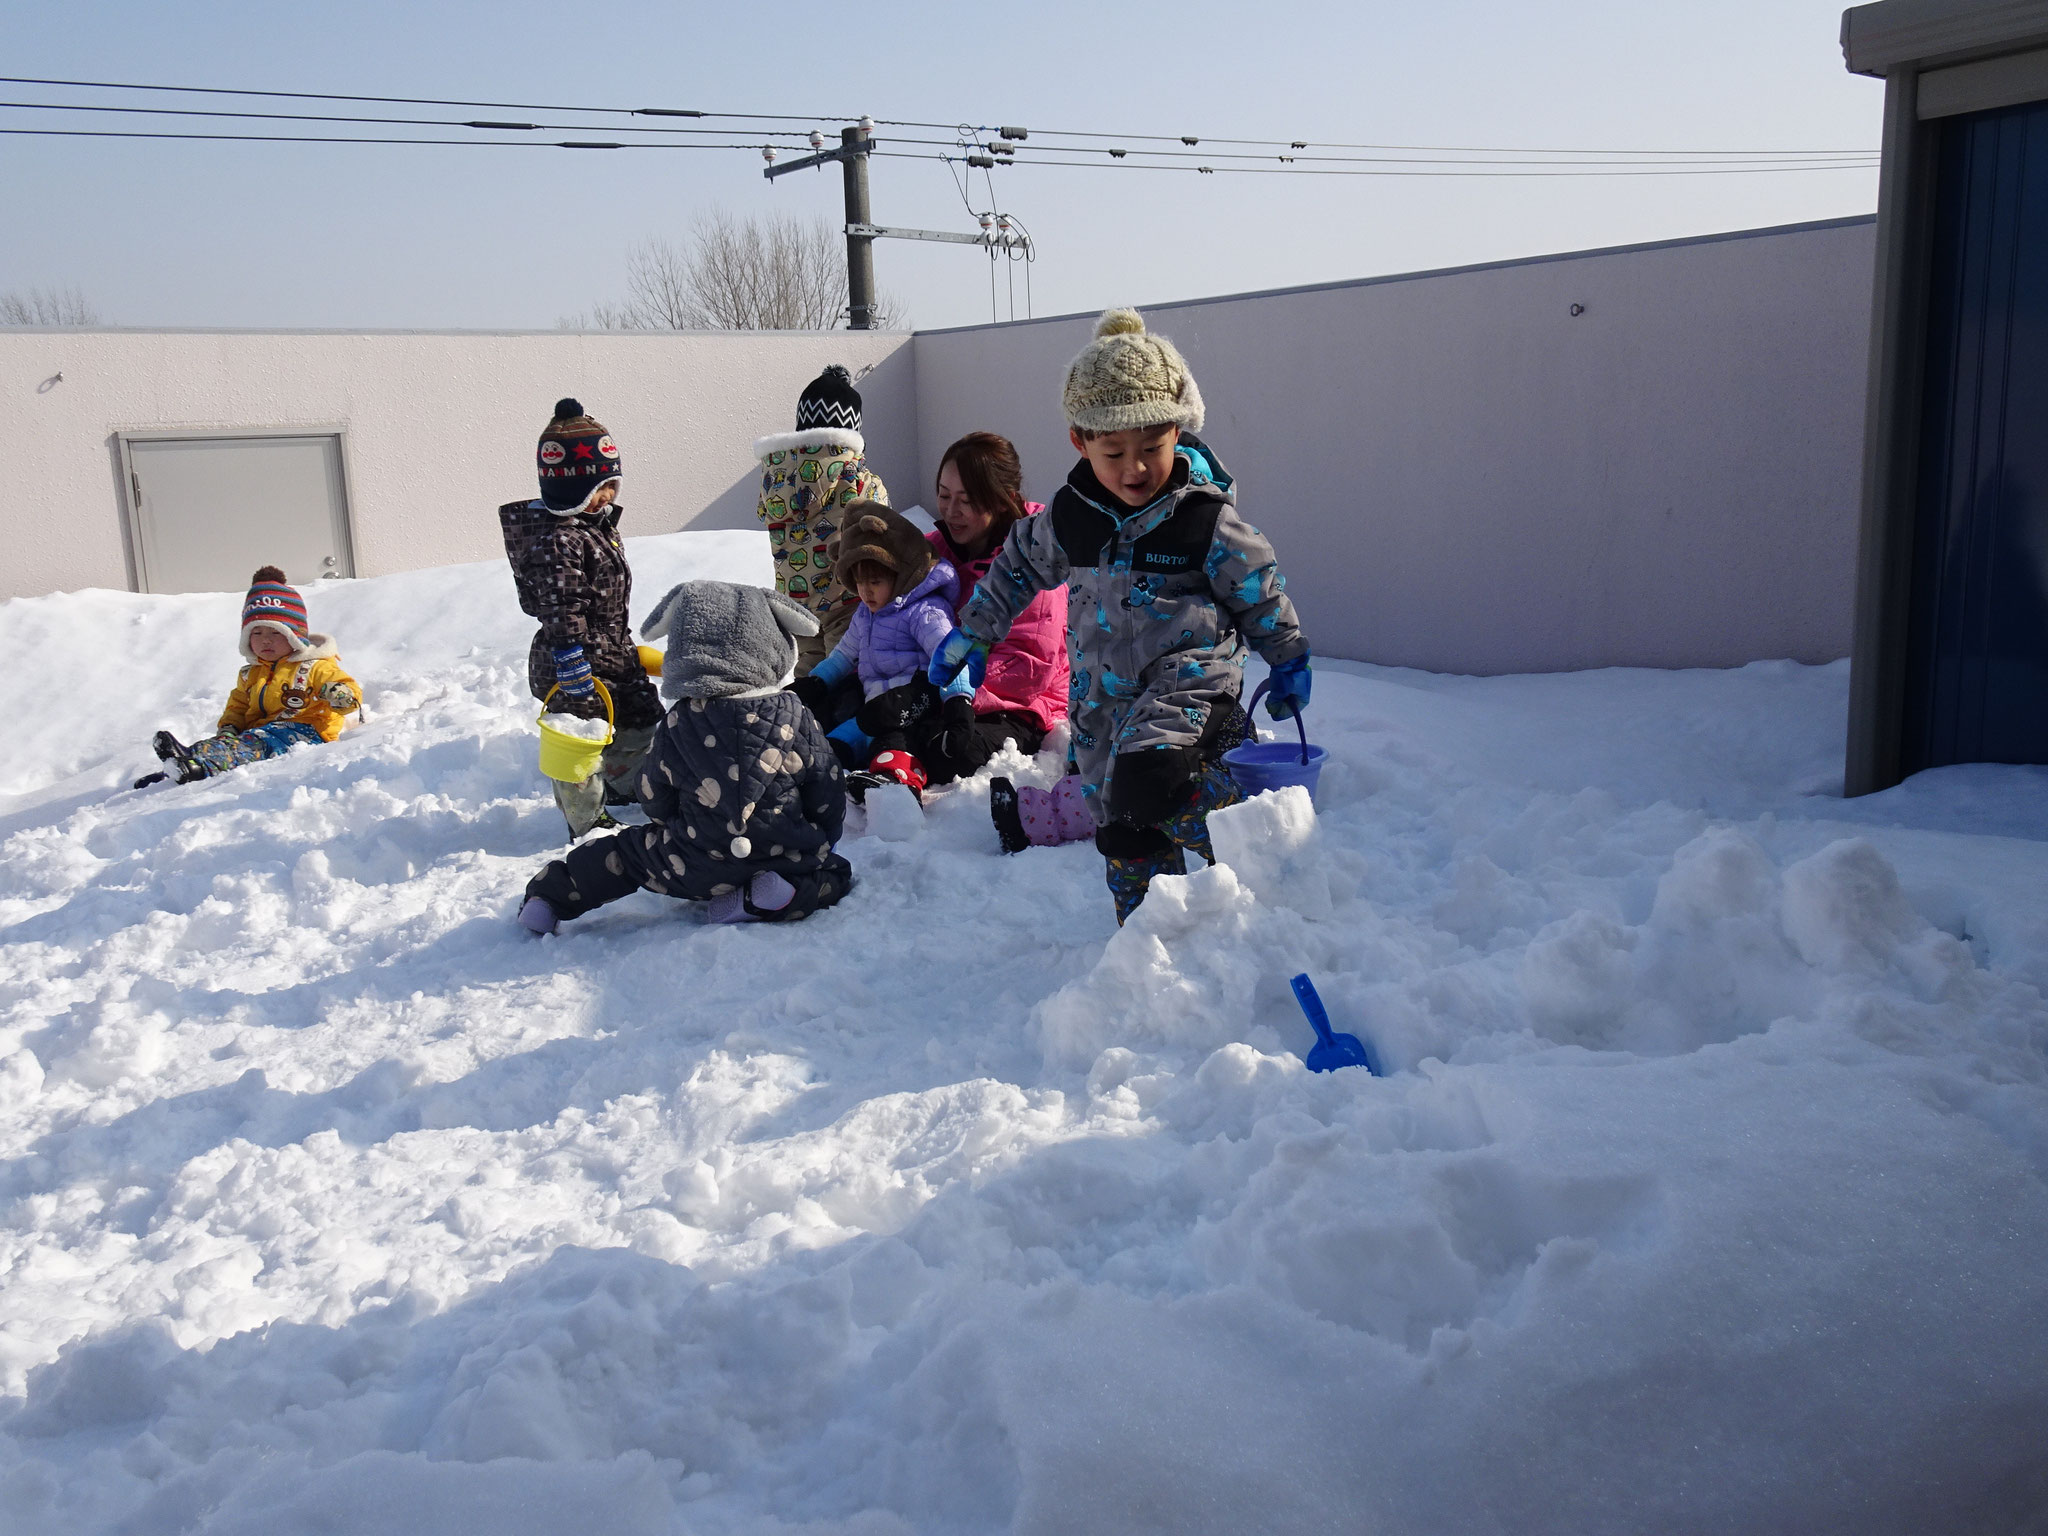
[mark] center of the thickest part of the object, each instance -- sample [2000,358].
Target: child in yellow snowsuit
[292,692]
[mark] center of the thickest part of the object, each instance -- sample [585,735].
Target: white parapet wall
[1460,473]
[439,427]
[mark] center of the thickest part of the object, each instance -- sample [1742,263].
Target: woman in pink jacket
[980,495]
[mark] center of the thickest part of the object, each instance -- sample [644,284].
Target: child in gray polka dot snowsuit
[744,797]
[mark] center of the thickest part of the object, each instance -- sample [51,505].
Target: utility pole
[860,249]
[855,144]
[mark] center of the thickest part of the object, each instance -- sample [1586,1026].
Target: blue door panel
[1977,673]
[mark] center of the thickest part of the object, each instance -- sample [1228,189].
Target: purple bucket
[1258,766]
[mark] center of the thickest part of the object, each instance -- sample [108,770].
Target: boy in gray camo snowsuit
[744,798]
[1167,589]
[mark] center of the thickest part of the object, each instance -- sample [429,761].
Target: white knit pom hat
[1126,377]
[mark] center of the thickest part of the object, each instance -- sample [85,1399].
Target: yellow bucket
[572,759]
[650,660]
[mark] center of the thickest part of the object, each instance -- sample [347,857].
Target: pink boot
[1056,815]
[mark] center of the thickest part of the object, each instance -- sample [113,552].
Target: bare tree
[46,306]
[774,273]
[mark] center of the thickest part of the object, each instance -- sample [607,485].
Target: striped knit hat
[273,604]
[829,400]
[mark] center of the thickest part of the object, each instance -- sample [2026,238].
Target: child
[807,478]
[1167,587]
[743,797]
[292,692]
[906,608]
[569,565]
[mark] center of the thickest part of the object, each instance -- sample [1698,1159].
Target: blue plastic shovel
[1331,1050]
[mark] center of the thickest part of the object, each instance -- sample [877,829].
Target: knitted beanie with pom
[575,456]
[272,604]
[1127,377]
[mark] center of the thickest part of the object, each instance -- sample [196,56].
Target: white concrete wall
[1460,475]
[441,427]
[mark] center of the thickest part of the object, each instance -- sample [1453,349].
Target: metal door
[209,510]
[1977,665]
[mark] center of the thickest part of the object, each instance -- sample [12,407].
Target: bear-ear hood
[725,640]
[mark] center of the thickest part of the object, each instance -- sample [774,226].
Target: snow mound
[1708,1188]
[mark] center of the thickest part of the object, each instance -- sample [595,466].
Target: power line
[1477,149]
[793,133]
[310,138]
[1390,170]
[423,101]
[1189,140]
[1446,170]
[414,122]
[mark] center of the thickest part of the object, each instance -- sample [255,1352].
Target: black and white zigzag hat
[829,400]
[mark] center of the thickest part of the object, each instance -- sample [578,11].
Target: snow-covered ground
[1705,1192]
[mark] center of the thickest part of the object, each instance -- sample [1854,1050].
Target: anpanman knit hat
[1127,377]
[271,604]
[576,456]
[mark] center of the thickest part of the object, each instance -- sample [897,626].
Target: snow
[576,726]
[1705,1192]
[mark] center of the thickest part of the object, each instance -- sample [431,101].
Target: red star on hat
[583,451]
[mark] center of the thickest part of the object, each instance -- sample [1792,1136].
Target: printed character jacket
[807,479]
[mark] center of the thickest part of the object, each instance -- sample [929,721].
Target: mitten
[954,740]
[959,649]
[1288,694]
[853,737]
[340,697]
[572,672]
[814,694]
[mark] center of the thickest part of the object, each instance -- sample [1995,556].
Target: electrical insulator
[817,139]
[1118,154]
[1003,222]
[1189,140]
[768,153]
[1299,144]
[982,162]
[1002,146]
[986,221]
[867,125]
[1013,133]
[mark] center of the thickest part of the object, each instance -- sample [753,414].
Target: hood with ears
[725,640]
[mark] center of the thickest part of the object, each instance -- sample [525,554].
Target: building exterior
[1951,629]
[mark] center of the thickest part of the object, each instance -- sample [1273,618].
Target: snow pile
[1706,1191]
[576,726]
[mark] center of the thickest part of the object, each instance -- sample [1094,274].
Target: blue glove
[851,735]
[1288,695]
[573,672]
[832,671]
[957,650]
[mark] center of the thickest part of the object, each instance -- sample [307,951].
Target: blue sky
[317,235]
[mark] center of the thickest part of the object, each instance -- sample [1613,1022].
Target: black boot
[167,747]
[1002,810]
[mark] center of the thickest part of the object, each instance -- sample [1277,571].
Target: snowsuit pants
[581,804]
[606,869]
[947,756]
[235,749]
[1136,848]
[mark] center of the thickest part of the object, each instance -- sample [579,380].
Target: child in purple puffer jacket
[906,608]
